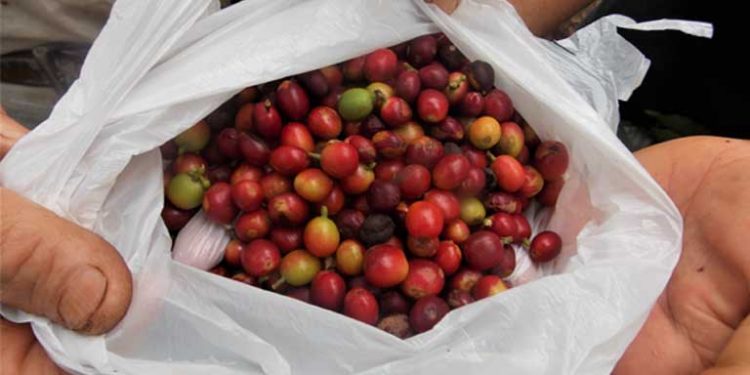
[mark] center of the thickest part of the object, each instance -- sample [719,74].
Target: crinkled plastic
[200,243]
[158,67]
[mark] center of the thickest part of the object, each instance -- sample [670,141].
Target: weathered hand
[53,268]
[700,322]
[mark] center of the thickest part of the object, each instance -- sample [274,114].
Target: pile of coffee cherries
[389,188]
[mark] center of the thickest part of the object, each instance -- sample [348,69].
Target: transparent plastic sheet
[158,67]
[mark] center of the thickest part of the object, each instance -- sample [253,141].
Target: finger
[21,353]
[735,358]
[10,132]
[54,268]
[447,6]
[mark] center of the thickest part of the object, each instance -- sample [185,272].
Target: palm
[707,296]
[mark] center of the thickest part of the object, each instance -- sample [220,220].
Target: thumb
[735,357]
[54,268]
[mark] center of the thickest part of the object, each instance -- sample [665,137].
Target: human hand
[700,322]
[52,268]
[447,6]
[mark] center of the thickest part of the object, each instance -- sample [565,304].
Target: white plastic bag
[158,67]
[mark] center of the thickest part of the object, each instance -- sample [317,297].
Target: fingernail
[81,297]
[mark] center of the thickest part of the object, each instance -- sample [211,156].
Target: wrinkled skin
[60,271]
[700,322]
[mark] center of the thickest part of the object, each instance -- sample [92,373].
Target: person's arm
[543,17]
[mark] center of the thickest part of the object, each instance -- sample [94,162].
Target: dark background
[697,85]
